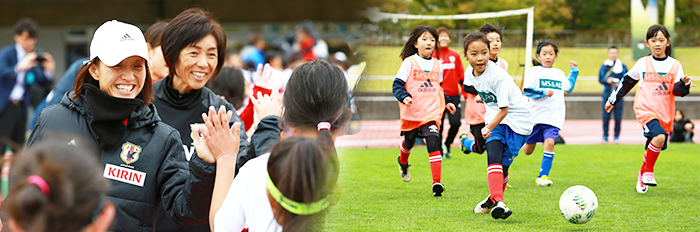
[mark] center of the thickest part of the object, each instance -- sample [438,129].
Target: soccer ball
[578,204]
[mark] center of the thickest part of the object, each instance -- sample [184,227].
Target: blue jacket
[608,88]
[8,78]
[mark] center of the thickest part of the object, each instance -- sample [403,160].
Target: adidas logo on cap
[126,37]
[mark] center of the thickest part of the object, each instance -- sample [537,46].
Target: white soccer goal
[374,15]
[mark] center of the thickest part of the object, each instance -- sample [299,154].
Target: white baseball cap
[115,41]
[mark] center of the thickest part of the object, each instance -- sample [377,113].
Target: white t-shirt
[548,110]
[639,69]
[497,89]
[424,64]
[246,204]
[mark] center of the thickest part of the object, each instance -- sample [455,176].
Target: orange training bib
[428,97]
[654,98]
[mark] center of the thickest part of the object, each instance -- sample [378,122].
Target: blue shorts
[651,130]
[542,132]
[513,142]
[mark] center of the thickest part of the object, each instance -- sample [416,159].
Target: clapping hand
[218,141]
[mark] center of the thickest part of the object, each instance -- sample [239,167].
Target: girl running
[288,188]
[474,111]
[546,86]
[660,78]
[420,77]
[508,116]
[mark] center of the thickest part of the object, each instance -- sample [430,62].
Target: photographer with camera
[20,67]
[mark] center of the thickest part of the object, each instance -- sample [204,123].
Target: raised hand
[266,105]
[573,63]
[263,77]
[221,141]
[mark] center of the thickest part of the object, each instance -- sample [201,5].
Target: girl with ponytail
[290,187]
[57,187]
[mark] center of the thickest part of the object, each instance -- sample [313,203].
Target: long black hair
[409,49]
[535,61]
[655,29]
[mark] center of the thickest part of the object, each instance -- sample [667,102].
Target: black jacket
[179,111]
[150,153]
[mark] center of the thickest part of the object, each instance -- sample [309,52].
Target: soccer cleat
[446,151]
[544,181]
[484,206]
[500,211]
[641,187]
[648,179]
[405,173]
[438,188]
[462,136]
[617,139]
[605,139]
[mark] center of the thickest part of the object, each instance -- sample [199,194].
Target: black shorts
[429,129]
[651,130]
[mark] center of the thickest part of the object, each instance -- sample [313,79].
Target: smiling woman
[193,46]
[110,109]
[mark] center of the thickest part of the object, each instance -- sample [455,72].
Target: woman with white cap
[141,156]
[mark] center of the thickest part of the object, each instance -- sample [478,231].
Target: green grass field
[385,61]
[374,198]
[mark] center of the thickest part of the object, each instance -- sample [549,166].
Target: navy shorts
[429,129]
[508,137]
[542,132]
[651,130]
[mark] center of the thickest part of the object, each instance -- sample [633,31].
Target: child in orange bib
[421,101]
[660,79]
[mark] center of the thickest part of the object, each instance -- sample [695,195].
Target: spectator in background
[253,52]
[682,128]
[20,67]
[306,43]
[64,85]
[229,85]
[58,187]
[159,69]
[611,72]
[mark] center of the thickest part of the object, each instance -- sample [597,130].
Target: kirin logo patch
[130,152]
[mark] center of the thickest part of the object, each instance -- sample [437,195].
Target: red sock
[435,165]
[505,181]
[650,157]
[494,175]
[403,158]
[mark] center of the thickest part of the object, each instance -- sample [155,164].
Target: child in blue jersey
[507,116]
[545,86]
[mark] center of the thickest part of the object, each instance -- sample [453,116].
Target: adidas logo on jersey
[126,37]
[662,89]
[427,86]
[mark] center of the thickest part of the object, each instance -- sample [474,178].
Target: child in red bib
[421,101]
[660,79]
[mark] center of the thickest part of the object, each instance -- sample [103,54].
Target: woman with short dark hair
[141,155]
[194,47]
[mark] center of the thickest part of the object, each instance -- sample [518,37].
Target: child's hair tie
[39,182]
[324,125]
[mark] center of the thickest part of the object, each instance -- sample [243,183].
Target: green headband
[296,207]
